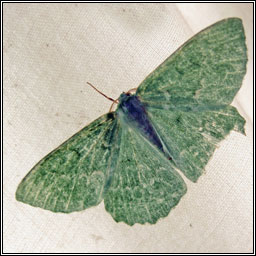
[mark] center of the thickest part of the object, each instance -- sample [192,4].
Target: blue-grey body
[132,110]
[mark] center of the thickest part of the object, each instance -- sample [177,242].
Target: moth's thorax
[132,112]
[130,105]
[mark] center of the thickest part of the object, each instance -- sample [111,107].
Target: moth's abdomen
[132,113]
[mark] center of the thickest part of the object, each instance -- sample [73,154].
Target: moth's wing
[188,96]
[192,137]
[205,73]
[144,186]
[73,177]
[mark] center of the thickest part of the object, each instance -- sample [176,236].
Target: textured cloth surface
[50,51]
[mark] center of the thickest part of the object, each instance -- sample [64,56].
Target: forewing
[205,73]
[192,137]
[73,177]
[145,186]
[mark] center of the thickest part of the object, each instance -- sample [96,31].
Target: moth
[132,157]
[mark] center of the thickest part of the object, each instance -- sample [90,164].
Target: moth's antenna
[115,101]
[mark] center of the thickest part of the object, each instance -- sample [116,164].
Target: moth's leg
[131,90]
[111,107]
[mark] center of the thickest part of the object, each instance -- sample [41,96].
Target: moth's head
[124,96]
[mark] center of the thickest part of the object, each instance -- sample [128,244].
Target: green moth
[131,158]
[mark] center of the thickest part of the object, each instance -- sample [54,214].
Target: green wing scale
[131,158]
[205,73]
[192,137]
[73,177]
[187,97]
[145,186]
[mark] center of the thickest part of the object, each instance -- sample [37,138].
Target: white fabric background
[50,51]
